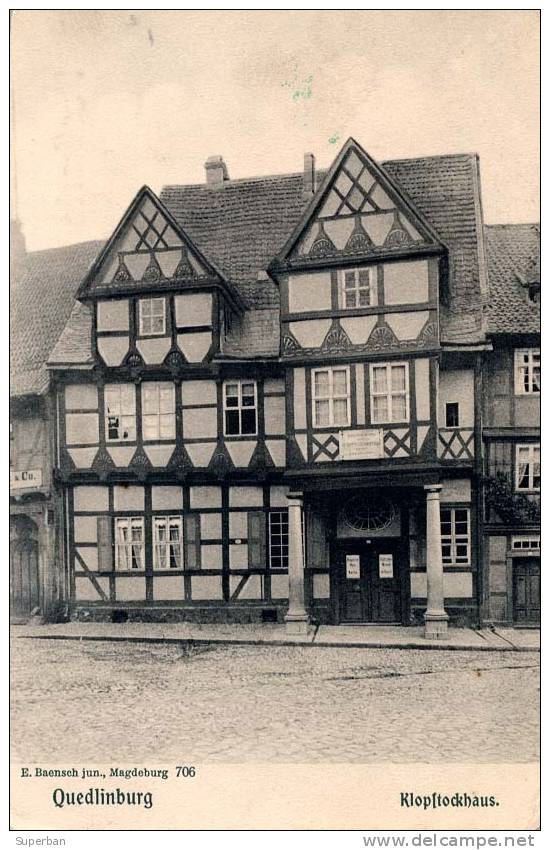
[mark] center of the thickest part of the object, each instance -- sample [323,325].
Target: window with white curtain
[389,392]
[527,371]
[158,410]
[120,412]
[331,396]
[167,543]
[129,543]
[528,467]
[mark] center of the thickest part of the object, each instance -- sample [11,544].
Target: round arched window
[364,515]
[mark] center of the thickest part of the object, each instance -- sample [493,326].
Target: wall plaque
[353,566]
[385,566]
[25,478]
[362,444]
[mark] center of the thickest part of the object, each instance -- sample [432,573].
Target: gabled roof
[377,177]
[148,251]
[513,253]
[42,294]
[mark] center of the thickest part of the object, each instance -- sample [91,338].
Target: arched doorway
[24,577]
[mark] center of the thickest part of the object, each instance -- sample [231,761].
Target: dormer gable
[358,212]
[149,253]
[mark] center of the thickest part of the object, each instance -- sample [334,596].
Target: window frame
[239,408]
[388,365]
[531,448]
[453,539]
[168,544]
[132,521]
[358,288]
[108,388]
[282,513]
[141,318]
[447,405]
[158,385]
[330,397]
[519,371]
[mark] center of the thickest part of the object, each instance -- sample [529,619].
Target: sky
[103,102]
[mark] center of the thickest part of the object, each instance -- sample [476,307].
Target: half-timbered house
[267,401]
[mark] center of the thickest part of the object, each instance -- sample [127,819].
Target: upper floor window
[527,371]
[358,288]
[455,536]
[240,408]
[152,317]
[452,417]
[389,392]
[158,410]
[167,543]
[120,412]
[331,396]
[129,543]
[528,467]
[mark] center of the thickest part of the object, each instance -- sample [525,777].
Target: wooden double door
[369,581]
[527,591]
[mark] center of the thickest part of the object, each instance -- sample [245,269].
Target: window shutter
[192,541]
[104,544]
[316,541]
[256,539]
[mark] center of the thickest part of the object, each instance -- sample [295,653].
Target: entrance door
[369,582]
[527,590]
[24,589]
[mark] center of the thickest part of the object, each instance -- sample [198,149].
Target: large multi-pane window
[331,396]
[389,392]
[129,543]
[278,539]
[358,288]
[120,412]
[158,410]
[240,408]
[527,371]
[528,467]
[455,536]
[167,543]
[152,317]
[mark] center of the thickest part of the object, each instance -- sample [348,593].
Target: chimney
[309,176]
[216,171]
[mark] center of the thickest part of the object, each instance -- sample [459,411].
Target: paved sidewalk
[398,637]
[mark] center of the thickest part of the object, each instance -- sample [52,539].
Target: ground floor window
[278,540]
[129,543]
[167,543]
[455,536]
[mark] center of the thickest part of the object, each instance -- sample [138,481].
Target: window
[278,540]
[239,404]
[129,543]
[158,411]
[527,369]
[455,536]
[331,396]
[152,317]
[451,414]
[389,392]
[120,412]
[167,543]
[526,544]
[528,467]
[358,288]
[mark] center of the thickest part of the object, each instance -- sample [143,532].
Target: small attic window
[152,317]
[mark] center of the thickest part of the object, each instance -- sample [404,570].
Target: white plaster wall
[308,292]
[311,332]
[456,490]
[193,308]
[422,381]
[82,428]
[113,315]
[91,498]
[198,392]
[81,397]
[457,385]
[166,497]
[205,497]
[406,283]
[113,349]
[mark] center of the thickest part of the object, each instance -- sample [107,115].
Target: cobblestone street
[138,703]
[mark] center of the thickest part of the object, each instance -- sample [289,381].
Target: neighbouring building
[270,401]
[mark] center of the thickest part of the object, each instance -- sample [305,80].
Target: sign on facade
[353,566]
[362,444]
[23,478]
[385,566]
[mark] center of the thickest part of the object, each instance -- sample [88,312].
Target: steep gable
[357,211]
[147,252]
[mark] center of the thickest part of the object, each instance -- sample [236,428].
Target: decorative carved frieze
[122,273]
[184,269]
[359,241]
[153,272]
[322,245]
[336,340]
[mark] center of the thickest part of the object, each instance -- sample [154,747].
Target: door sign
[353,566]
[385,566]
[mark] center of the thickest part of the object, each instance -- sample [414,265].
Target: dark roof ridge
[514,224]
[465,155]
